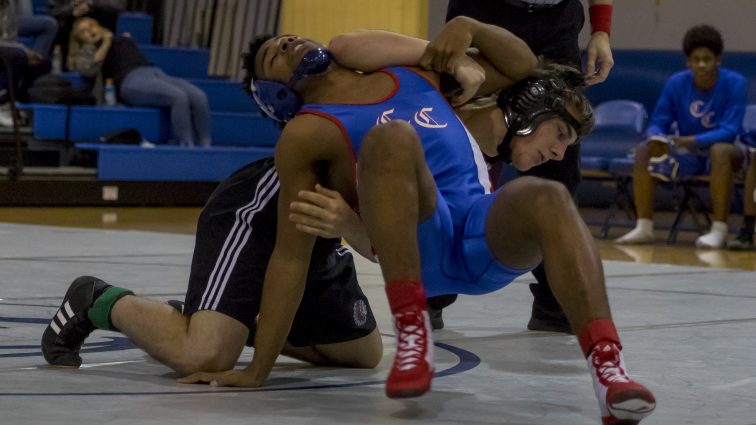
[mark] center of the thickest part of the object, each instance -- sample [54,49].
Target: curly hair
[248,61]
[703,36]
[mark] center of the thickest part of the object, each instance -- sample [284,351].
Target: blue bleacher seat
[225,95]
[171,163]
[39,7]
[243,129]
[749,125]
[619,127]
[88,123]
[139,25]
[179,62]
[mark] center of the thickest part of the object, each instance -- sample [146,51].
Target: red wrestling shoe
[412,371]
[622,401]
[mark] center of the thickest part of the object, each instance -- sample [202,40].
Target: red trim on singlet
[397,83]
[344,134]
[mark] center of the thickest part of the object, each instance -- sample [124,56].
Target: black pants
[552,32]
[23,72]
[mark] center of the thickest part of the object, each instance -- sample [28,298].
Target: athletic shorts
[459,261]
[235,238]
[692,164]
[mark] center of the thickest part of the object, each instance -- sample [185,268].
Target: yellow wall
[322,19]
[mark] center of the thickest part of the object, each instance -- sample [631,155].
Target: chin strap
[504,149]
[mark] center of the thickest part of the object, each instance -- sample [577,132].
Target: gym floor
[686,318]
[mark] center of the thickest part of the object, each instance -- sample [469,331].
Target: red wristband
[601,18]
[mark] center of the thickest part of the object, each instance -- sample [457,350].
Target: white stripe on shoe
[67,308]
[63,315]
[237,239]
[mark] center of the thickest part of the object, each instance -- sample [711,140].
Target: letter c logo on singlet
[697,110]
[384,118]
[422,118]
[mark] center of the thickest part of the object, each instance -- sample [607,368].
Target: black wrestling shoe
[547,317]
[436,305]
[177,305]
[70,326]
[436,319]
[743,242]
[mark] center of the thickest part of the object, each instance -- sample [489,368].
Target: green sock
[99,313]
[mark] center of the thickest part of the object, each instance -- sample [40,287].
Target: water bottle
[110,94]
[57,60]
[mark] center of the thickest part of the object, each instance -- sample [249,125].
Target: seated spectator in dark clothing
[94,49]
[25,64]
[41,28]
[67,11]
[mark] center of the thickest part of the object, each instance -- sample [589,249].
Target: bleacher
[240,133]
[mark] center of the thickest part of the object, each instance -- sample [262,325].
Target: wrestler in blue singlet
[454,254]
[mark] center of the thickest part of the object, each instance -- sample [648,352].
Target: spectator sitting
[25,64]
[94,49]
[708,103]
[744,239]
[67,11]
[41,28]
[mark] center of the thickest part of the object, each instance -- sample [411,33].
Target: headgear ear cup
[276,100]
[279,101]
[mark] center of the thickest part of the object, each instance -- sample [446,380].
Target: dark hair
[248,60]
[703,36]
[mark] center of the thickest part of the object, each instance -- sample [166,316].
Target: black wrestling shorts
[235,238]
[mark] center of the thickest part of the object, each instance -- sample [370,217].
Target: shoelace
[411,341]
[607,363]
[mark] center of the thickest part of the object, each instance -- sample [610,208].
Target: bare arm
[503,57]
[393,49]
[89,59]
[507,58]
[325,213]
[599,52]
[102,51]
[371,50]
[287,269]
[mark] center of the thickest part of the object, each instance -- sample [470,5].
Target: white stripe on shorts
[237,238]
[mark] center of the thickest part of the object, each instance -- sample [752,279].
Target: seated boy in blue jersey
[707,103]
[425,199]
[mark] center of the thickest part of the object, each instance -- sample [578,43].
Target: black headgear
[529,103]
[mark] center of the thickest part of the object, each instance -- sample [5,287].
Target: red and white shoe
[412,371]
[622,401]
